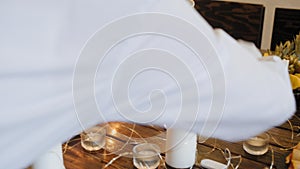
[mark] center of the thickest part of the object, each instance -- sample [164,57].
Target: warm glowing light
[192,2]
[113,131]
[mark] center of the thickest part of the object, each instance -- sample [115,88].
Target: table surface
[121,137]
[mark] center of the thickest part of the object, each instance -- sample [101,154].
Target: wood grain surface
[286,25]
[75,157]
[240,20]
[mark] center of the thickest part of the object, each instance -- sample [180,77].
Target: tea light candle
[257,145]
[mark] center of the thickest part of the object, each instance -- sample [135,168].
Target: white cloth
[41,41]
[50,160]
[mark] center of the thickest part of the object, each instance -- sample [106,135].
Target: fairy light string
[130,141]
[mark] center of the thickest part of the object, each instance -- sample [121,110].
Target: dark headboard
[240,20]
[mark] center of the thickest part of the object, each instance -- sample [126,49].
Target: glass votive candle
[257,145]
[146,156]
[93,139]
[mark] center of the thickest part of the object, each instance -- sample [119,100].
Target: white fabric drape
[40,42]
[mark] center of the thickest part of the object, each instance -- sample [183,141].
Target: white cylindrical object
[181,148]
[53,159]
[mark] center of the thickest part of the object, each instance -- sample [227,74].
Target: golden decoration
[290,50]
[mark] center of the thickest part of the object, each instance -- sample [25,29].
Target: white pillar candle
[181,148]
